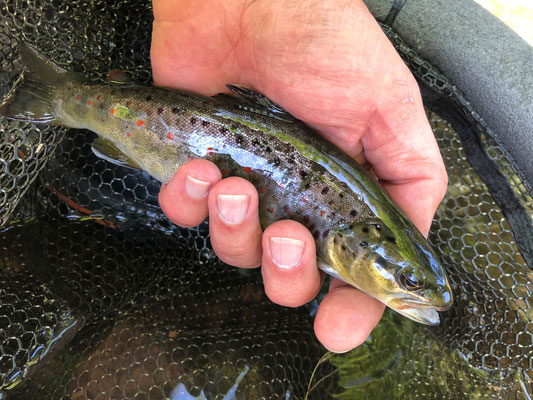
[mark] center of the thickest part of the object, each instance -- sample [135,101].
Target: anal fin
[106,150]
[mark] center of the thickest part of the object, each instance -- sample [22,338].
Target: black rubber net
[102,297]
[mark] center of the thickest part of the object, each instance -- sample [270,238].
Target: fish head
[395,266]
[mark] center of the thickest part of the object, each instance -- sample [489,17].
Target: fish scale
[378,251]
[190,130]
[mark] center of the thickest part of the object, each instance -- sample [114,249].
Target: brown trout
[361,236]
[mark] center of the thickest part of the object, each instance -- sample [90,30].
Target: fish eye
[410,282]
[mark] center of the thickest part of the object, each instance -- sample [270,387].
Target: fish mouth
[428,316]
[419,310]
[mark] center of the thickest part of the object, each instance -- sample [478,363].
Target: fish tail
[33,96]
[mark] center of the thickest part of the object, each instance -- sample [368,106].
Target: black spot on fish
[205,123]
[336,240]
[325,233]
[353,213]
[307,185]
[365,229]
[255,142]
[148,98]
[159,111]
[340,235]
[363,244]
[193,120]
[390,239]
[303,174]
[233,127]
[311,227]
[306,218]
[223,130]
[268,149]
[113,92]
[276,162]
[331,202]
[343,248]
[316,235]
[291,161]
[175,110]
[341,195]
[325,190]
[239,139]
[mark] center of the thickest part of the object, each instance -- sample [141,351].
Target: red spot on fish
[304,199]
[209,149]
[170,136]
[99,98]
[281,185]
[286,209]
[128,134]
[151,143]
[128,104]
[189,158]
[224,172]
[112,111]
[262,190]
[90,103]
[79,97]
[140,122]
[322,213]
[247,169]
[270,210]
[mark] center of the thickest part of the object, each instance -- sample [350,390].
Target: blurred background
[517,14]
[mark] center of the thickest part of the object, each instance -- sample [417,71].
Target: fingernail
[286,252]
[196,188]
[232,208]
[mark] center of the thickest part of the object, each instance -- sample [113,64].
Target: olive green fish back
[101,295]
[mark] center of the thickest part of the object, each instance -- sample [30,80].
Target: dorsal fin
[252,101]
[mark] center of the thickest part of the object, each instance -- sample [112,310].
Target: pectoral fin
[108,151]
[119,76]
[328,269]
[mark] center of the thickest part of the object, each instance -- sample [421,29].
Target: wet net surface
[101,297]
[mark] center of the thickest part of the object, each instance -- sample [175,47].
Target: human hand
[329,64]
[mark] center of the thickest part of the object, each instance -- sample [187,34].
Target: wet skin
[332,67]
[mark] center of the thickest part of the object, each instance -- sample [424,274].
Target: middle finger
[234,223]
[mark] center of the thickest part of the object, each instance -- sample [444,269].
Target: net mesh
[102,297]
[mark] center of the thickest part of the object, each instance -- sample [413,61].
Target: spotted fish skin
[361,236]
[162,130]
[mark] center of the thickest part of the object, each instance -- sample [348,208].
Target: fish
[361,235]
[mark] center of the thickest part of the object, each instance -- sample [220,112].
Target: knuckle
[239,255]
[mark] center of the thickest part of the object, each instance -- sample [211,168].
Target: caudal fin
[32,97]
